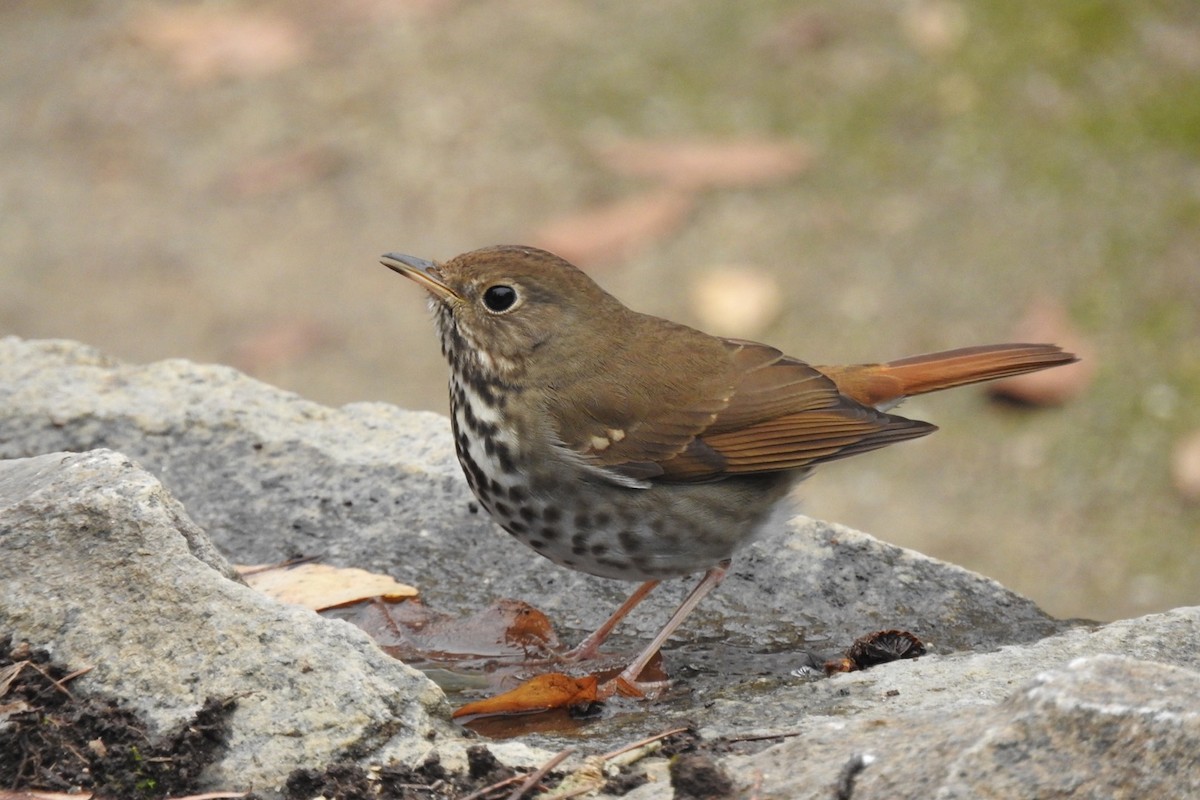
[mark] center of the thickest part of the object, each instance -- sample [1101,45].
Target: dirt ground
[215,180]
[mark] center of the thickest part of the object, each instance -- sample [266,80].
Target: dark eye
[499,298]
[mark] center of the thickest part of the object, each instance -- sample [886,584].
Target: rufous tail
[885,384]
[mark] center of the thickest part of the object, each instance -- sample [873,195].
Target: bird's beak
[422,272]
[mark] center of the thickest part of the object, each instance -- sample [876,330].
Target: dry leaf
[540,693]
[1185,467]
[1047,321]
[736,301]
[610,233]
[798,34]
[320,586]
[934,27]
[690,165]
[280,171]
[282,342]
[413,632]
[208,42]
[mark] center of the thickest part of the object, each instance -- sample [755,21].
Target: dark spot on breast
[503,508]
[630,541]
[548,533]
[579,540]
[536,544]
[599,549]
[552,514]
[527,513]
[517,493]
[582,520]
[504,456]
[515,526]
[603,518]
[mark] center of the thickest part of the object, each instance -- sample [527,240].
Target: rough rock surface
[100,564]
[1097,726]
[102,567]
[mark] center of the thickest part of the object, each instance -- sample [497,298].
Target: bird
[631,447]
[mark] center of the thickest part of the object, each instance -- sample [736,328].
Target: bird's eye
[499,298]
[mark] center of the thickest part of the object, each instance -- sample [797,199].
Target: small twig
[59,683]
[475,795]
[850,772]
[540,773]
[762,737]
[756,787]
[594,786]
[9,674]
[291,562]
[642,743]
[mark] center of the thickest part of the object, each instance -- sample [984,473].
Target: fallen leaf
[279,343]
[280,171]
[798,34]
[1048,321]
[697,164]
[934,27]
[207,42]
[540,693]
[612,232]
[1185,467]
[413,632]
[321,586]
[877,648]
[736,300]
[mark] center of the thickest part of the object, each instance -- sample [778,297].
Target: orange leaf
[540,693]
[1047,321]
[208,42]
[700,164]
[610,233]
[320,586]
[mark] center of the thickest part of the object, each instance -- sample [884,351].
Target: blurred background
[850,181]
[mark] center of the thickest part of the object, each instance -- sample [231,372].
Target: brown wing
[758,411]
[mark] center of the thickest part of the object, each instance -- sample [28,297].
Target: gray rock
[1099,726]
[1002,705]
[102,567]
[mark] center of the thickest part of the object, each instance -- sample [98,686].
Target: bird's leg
[627,682]
[590,647]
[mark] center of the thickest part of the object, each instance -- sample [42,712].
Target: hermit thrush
[630,447]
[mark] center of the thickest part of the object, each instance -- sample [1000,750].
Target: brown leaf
[699,164]
[934,27]
[204,43]
[611,233]
[1047,321]
[1185,467]
[280,171]
[282,342]
[540,693]
[320,586]
[736,301]
[412,631]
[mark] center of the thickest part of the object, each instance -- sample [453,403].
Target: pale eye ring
[499,298]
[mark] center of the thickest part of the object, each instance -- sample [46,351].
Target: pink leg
[710,581]
[590,646]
